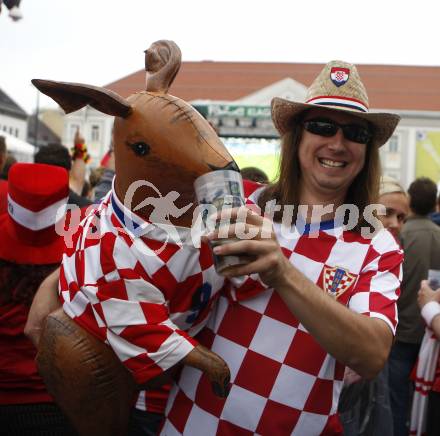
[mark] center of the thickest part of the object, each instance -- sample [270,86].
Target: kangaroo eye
[140,148]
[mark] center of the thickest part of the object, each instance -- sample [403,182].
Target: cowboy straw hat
[37,196]
[337,87]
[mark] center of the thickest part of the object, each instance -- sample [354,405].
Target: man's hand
[45,302]
[252,237]
[426,294]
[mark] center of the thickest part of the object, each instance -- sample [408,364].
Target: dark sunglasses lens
[321,128]
[356,133]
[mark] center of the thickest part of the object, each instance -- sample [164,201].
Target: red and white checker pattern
[283,382]
[143,304]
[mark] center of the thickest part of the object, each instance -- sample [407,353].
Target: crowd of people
[339,323]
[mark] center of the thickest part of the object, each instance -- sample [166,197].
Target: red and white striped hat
[37,197]
[337,87]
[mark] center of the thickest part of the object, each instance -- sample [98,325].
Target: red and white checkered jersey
[141,288]
[282,381]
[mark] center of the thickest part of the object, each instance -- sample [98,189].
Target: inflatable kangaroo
[125,304]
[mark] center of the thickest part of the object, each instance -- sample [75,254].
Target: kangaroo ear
[74,96]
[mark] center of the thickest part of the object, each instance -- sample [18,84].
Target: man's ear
[74,96]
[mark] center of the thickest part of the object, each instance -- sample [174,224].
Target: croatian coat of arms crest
[337,280]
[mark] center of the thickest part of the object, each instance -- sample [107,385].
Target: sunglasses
[328,128]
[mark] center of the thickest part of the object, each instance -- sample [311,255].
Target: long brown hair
[364,189]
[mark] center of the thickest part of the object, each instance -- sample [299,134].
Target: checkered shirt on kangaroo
[143,296]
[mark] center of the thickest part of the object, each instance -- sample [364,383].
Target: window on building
[393,145]
[11,131]
[245,122]
[16,133]
[5,128]
[95,132]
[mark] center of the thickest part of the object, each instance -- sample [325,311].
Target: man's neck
[320,207]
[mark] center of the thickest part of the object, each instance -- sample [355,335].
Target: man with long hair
[332,275]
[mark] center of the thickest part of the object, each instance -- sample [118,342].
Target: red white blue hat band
[36,220]
[343,102]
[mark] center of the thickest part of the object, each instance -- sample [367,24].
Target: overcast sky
[99,41]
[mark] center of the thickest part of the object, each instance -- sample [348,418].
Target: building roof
[45,134]
[389,86]
[9,107]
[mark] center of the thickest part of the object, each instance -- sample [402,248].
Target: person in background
[254,174]
[396,202]
[57,154]
[87,190]
[10,160]
[104,184]
[435,216]
[94,179]
[426,402]
[30,250]
[420,239]
[365,404]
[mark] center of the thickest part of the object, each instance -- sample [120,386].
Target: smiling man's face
[329,164]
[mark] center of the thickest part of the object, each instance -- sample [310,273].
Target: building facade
[95,127]
[236,97]
[13,119]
